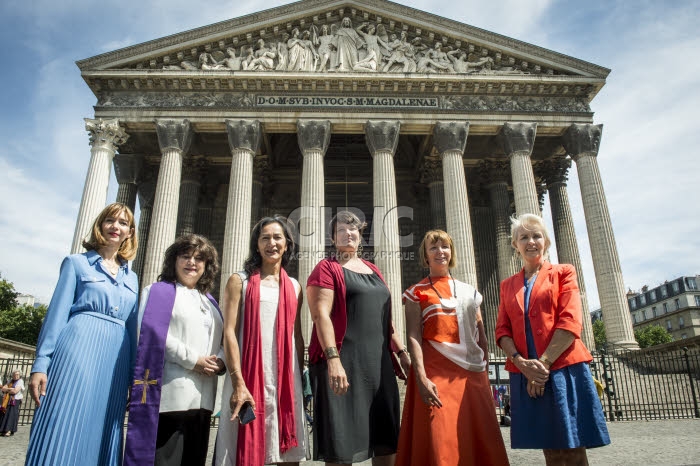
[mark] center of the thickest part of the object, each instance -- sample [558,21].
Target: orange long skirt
[463,432]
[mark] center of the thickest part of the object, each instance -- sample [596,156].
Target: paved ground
[633,443]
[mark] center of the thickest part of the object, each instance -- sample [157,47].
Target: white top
[195,330]
[227,436]
[20,387]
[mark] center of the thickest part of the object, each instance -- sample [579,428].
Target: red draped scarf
[251,437]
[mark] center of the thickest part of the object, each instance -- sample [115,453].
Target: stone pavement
[650,443]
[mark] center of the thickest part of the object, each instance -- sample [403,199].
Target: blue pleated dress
[568,415]
[86,348]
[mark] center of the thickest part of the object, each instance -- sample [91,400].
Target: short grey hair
[529,222]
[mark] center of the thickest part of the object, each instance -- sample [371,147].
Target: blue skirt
[568,415]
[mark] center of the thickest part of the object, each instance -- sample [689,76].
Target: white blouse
[195,330]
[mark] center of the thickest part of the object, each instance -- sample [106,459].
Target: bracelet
[401,351]
[515,355]
[234,372]
[331,352]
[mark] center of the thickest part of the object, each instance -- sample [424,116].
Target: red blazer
[555,303]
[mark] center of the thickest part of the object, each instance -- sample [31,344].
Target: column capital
[174,134]
[450,136]
[127,167]
[244,135]
[146,192]
[554,170]
[517,138]
[193,169]
[313,135]
[582,139]
[494,172]
[382,135]
[105,133]
[431,170]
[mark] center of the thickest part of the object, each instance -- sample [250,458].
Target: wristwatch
[547,363]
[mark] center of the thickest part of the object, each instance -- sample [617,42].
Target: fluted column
[517,140]
[555,175]
[174,139]
[582,142]
[105,137]
[261,168]
[450,140]
[189,195]
[382,137]
[146,193]
[497,175]
[244,140]
[127,169]
[313,137]
[432,176]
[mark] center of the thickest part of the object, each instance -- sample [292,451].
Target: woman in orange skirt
[448,415]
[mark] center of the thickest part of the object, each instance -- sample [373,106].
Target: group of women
[99,348]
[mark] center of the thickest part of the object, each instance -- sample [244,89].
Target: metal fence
[24,366]
[638,385]
[648,385]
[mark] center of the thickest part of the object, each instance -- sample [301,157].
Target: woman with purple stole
[179,355]
[81,375]
[264,350]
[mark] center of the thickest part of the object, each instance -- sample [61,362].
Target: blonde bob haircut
[528,222]
[127,250]
[431,237]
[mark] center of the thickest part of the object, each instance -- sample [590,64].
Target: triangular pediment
[322,36]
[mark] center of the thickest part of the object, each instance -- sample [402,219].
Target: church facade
[411,120]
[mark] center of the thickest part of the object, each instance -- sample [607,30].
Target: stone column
[432,176]
[555,175]
[517,140]
[174,139]
[127,169]
[382,138]
[189,195]
[146,193]
[313,137]
[582,142]
[261,169]
[244,140]
[105,137]
[497,175]
[450,141]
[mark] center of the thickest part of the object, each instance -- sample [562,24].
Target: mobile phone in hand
[246,414]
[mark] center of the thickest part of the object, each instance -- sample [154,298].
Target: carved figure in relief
[325,49]
[207,62]
[374,41]
[347,42]
[302,54]
[264,58]
[367,64]
[434,60]
[232,62]
[402,53]
[282,53]
[249,56]
[189,65]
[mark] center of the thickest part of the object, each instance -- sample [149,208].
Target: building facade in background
[412,120]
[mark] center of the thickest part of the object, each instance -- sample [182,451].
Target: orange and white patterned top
[449,325]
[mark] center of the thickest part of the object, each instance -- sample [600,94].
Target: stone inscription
[347,102]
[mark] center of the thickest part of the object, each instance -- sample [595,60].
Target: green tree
[599,334]
[652,335]
[22,323]
[8,295]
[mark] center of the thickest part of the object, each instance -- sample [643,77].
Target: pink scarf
[251,437]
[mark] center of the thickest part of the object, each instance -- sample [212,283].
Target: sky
[648,156]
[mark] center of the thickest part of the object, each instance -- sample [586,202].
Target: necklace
[113,270]
[450,303]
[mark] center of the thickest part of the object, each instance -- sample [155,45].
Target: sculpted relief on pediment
[343,44]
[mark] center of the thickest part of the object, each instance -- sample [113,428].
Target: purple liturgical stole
[148,375]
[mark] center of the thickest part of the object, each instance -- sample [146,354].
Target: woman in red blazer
[554,405]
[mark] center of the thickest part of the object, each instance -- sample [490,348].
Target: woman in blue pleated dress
[553,401]
[81,375]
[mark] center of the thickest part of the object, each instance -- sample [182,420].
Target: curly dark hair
[254,260]
[186,245]
[348,218]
